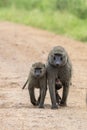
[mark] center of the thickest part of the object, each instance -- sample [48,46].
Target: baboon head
[38,70]
[57,56]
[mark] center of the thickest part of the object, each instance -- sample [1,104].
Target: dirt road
[20,46]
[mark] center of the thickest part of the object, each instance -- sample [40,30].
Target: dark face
[38,72]
[58,59]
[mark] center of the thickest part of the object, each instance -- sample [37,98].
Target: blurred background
[65,17]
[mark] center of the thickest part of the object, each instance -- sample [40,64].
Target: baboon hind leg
[42,97]
[38,101]
[32,96]
[57,87]
[65,94]
[58,98]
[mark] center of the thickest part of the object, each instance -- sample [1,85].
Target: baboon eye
[54,58]
[61,58]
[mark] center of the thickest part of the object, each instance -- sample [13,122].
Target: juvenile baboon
[37,79]
[58,67]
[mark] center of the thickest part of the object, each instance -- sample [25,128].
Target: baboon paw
[41,106]
[58,101]
[38,102]
[54,107]
[35,103]
[63,104]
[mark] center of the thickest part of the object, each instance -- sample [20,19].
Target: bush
[77,7]
[3,3]
[68,17]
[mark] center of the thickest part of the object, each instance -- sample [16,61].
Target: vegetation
[68,17]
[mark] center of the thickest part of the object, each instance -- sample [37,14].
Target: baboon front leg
[51,83]
[65,94]
[42,97]
[32,96]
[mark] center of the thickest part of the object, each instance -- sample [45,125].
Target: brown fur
[35,81]
[61,72]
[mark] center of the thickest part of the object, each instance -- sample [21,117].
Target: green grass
[51,16]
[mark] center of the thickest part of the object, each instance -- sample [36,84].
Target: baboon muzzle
[58,59]
[37,71]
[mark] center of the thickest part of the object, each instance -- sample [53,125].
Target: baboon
[59,67]
[37,79]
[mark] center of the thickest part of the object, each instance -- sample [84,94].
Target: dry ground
[20,46]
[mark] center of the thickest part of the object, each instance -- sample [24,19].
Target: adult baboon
[58,67]
[37,79]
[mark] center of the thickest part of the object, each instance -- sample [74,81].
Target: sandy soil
[20,46]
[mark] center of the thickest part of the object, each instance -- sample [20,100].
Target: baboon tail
[25,84]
